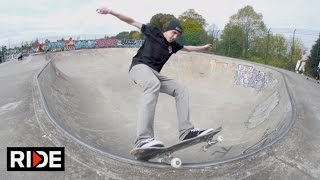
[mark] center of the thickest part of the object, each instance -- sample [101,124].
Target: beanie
[174,25]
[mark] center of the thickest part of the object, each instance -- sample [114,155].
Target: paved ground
[85,102]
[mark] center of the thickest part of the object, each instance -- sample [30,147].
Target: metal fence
[279,47]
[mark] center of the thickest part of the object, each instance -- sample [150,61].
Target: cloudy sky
[24,20]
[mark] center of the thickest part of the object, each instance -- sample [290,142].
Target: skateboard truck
[169,159]
[211,143]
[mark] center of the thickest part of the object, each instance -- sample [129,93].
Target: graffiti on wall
[130,42]
[85,44]
[55,46]
[90,44]
[69,45]
[102,43]
[248,76]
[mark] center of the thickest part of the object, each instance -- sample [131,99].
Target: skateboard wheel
[176,162]
[204,148]
[219,138]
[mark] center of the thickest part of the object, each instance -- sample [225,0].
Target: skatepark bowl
[90,97]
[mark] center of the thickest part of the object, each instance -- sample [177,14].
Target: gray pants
[151,83]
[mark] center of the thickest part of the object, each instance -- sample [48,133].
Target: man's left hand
[207,47]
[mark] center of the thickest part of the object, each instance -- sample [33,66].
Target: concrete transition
[90,98]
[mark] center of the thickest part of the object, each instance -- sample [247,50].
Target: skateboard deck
[313,80]
[164,154]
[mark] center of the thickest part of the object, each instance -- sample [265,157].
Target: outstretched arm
[129,20]
[197,48]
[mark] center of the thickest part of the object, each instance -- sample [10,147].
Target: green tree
[277,48]
[192,14]
[314,59]
[193,34]
[123,35]
[193,24]
[295,50]
[251,24]
[212,36]
[231,41]
[257,49]
[160,20]
[277,51]
[135,35]
[3,52]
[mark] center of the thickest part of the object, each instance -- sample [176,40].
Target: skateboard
[164,154]
[315,81]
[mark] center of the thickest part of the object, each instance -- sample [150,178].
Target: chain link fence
[279,47]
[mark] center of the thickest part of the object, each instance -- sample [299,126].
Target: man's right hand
[103,10]
[129,20]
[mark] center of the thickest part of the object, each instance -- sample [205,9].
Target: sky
[25,20]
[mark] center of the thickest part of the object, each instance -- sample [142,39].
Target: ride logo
[35,158]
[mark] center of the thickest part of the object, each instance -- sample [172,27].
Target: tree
[251,24]
[134,35]
[192,14]
[212,36]
[123,35]
[193,34]
[3,52]
[277,51]
[296,49]
[273,47]
[231,43]
[212,31]
[193,24]
[36,43]
[314,58]
[257,49]
[160,20]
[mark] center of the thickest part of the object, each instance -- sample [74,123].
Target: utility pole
[318,53]
[292,49]
[216,40]
[266,57]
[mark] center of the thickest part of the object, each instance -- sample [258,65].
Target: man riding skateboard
[145,71]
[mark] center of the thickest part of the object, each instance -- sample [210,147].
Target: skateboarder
[20,56]
[318,72]
[145,71]
[302,62]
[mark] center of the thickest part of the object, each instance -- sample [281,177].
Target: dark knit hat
[174,25]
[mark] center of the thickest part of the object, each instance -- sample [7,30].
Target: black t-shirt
[156,50]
